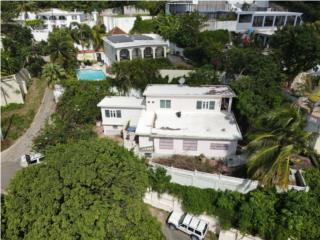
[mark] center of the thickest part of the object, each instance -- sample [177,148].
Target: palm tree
[53,73]
[81,34]
[60,47]
[98,31]
[279,142]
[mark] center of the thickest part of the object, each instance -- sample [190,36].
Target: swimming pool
[90,75]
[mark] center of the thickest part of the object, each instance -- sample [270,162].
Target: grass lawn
[16,118]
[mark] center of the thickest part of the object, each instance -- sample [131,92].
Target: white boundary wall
[169,203]
[208,180]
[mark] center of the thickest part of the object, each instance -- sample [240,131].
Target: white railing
[208,180]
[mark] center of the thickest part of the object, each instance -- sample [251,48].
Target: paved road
[11,156]
[168,233]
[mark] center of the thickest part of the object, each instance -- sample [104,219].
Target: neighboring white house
[176,119]
[14,87]
[57,18]
[172,74]
[123,17]
[127,47]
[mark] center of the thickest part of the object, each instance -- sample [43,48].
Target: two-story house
[178,119]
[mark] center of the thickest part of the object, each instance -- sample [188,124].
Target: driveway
[169,234]
[10,157]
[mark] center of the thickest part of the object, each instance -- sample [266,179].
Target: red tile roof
[116,30]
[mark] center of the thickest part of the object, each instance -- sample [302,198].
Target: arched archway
[136,53]
[148,52]
[124,54]
[159,52]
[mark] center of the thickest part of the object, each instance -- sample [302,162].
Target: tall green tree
[98,31]
[53,73]
[81,34]
[297,47]
[61,48]
[87,190]
[276,144]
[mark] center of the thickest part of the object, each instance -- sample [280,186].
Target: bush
[35,65]
[143,26]
[262,212]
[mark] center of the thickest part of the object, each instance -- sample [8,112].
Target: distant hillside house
[174,119]
[57,18]
[14,87]
[127,47]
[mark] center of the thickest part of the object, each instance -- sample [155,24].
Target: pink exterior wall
[203,147]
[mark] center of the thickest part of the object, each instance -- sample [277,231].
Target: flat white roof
[121,102]
[185,90]
[136,40]
[270,13]
[194,125]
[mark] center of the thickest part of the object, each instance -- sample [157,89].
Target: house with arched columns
[128,47]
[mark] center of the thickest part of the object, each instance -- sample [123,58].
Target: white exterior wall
[213,25]
[110,53]
[181,104]
[127,114]
[124,23]
[145,141]
[203,147]
[11,93]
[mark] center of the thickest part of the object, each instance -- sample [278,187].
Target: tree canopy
[88,190]
[297,47]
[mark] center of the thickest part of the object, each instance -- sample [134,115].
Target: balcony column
[164,51]
[130,53]
[230,104]
[153,52]
[142,52]
[118,55]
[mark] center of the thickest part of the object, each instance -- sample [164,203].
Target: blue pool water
[90,75]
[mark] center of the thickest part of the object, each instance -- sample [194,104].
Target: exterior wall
[203,147]
[213,25]
[208,180]
[11,93]
[145,141]
[124,23]
[110,53]
[181,104]
[127,114]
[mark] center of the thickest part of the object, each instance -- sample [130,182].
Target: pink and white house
[176,119]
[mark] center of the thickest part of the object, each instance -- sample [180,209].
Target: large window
[190,145]
[290,20]
[165,103]
[205,105]
[257,21]
[74,17]
[113,113]
[219,146]
[245,18]
[166,143]
[268,21]
[279,21]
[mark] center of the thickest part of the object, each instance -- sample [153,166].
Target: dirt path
[11,156]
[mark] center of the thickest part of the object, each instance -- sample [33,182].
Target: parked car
[29,159]
[191,225]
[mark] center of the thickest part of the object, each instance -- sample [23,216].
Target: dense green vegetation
[276,144]
[137,73]
[261,212]
[143,26]
[76,113]
[297,48]
[82,191]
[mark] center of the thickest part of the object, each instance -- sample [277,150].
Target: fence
[208,180]
[222,182]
